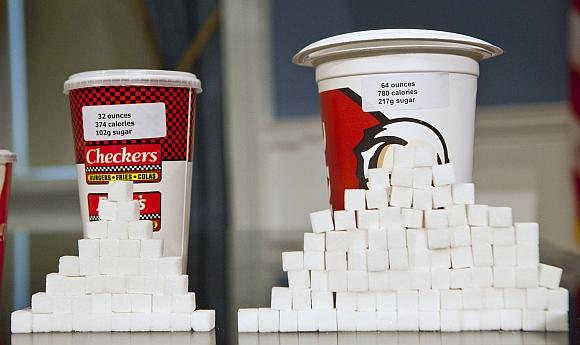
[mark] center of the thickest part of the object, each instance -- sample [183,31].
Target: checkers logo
[140,163]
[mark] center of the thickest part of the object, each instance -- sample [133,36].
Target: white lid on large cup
[141,77]
[376,42]
[7,156]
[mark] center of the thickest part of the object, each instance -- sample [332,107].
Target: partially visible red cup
[7,158]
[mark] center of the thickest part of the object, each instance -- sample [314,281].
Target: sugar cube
[407,300]
[511,319]
[441,196]
[300,279]
[408,320]
[55,284]
[181,303]
[429,300]
[398,258]
[141,322]
[281,298]
[354,199]
[533,320]
[69,266]
[121,303]
[527,276]
[556,321]
[440,258]
[461,257]
[248,320]
[367,219]
[337,241]
[424,156]
[416,239]
[438,238]
[377,198]
[203,320]
[443,174]
[292,261]
[180,322]
[357,281]
[402,177]
[42,303]
[140,229]
[456,215]
[337,281]
[403,156]
[527,233]
[346,301]
[151,248]
[390,217]
[61,304]
[463,193]
[319,280]
[101,303]
[109,265]
[472,298]
[148,266]
[74,286]
[357,240]
[121,322]
[401,196]
[21,321]
[460,278]
[128,266]
[128,210]
[482,276]
[95,284]
[88,266]
[377,239]
[504,255]
[481,235]
[141,303]
[429,321]
[116,284]
[504,277]
[514,298]
[500,216]
[109,247]
[42,323]
[307,321]
[346,320]
[366,321]
[379,177]
[314,260]
[88,248]
[558,299]
[440,279]
[120,190]
[422,178]
[81,304]
[322,300]
[327,321]
[419,259]
[336,261]
[436,219]
[107,209]
[357,260]
[477,215]
[482,255]
[386,301]
[96,229]
[396,238]
[118,229]
[288,321]
[537,298]
[62,323]
[504,236]
[412,218]
[422,199]
[387,321]
[344,220]
[460,236]
[471,320]
[451,299]
[550,276]
[528,254]
[451,320]
[314,242]
[321,221]
[366,301]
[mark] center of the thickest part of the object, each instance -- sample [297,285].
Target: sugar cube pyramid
[414,252]
[119,282]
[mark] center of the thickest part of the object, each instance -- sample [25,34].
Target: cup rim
[372,42]
[7,156]
[123,77]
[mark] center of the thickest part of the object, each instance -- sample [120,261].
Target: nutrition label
[124,121]
[402,91]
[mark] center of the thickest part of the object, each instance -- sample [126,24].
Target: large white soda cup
[137,125]
[382,88]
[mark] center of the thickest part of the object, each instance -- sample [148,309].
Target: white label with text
[124,121]
[405,91]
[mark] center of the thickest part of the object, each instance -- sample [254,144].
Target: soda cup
[383,88]
[137,125]
[7,158]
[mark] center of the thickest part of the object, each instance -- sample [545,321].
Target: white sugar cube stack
[415,252]
[119,282]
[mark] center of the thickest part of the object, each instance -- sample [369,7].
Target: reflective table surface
[252,265]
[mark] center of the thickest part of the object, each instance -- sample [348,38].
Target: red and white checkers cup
[382,88]
[137,125]
[7,158]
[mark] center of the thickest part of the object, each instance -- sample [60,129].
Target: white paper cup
[137,125]
[382,88]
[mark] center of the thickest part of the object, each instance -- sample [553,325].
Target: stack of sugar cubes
[414,252]
[119,281]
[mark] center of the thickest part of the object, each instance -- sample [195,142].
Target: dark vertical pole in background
[175,25]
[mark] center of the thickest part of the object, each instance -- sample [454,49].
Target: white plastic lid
[373,42]
[7,156]
[142,77]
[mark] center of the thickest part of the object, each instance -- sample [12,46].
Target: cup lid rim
[7,156]
[394,40]
[145,77]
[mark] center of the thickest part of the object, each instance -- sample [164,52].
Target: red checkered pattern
[174,146]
